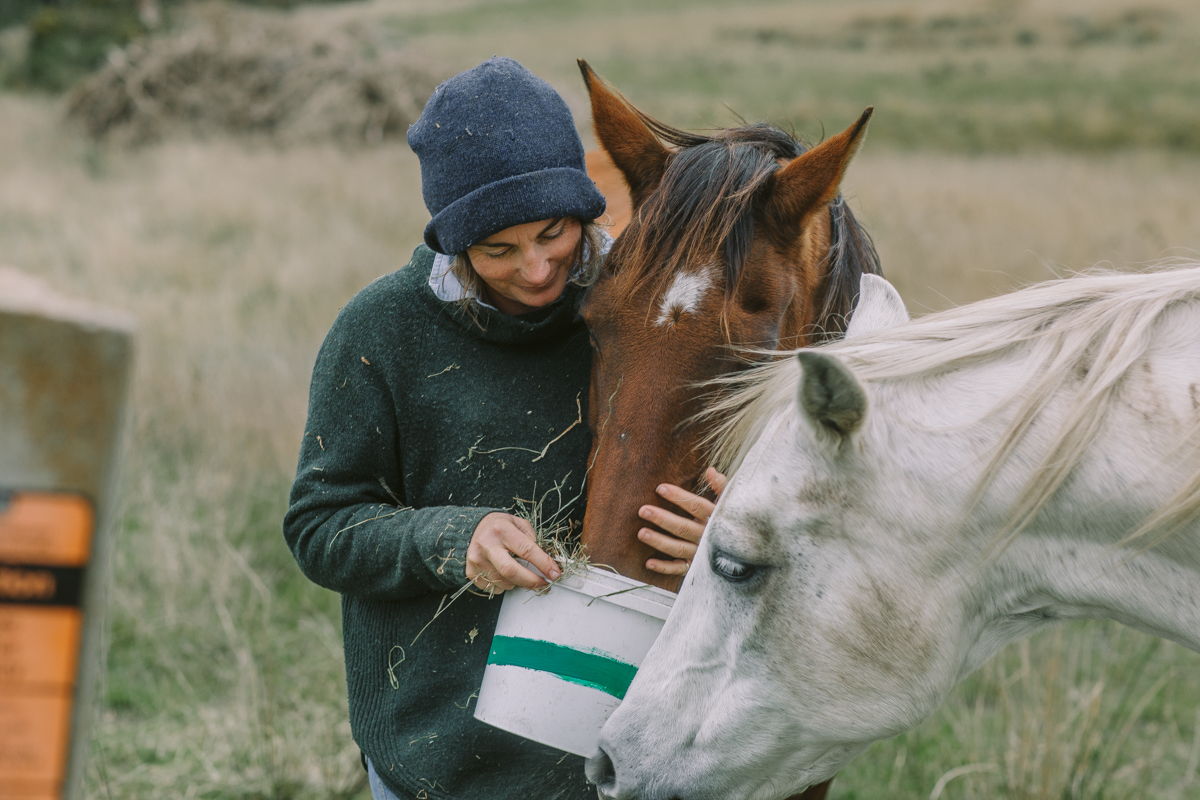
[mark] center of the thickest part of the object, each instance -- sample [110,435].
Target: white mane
[1084,333]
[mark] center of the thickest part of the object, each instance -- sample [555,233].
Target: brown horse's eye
[753,302]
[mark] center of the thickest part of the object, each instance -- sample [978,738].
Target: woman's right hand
[491,565]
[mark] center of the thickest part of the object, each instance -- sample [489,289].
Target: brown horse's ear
[633,147]
[812,179]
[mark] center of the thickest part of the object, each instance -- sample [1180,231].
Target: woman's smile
[527,266]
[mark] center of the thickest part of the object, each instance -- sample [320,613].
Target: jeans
[379,791]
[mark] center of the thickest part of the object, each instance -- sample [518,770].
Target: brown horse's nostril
[600,771]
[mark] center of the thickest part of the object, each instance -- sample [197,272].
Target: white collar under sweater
[447,287]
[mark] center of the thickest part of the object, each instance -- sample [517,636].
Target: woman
[444,396]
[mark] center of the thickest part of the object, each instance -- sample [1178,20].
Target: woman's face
[526,266]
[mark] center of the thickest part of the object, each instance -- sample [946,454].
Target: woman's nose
[537,266]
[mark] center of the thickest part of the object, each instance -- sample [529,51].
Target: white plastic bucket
[560,661]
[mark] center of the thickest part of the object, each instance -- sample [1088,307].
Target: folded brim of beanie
[545,194]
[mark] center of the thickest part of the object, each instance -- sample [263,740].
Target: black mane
[705,204]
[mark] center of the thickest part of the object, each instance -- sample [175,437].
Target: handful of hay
[252,72]
[554,533]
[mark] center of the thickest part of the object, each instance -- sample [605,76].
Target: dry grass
[953,230]
[225,668]
[1092,711]
[224,672]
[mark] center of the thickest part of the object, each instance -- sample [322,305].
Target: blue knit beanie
[498,148]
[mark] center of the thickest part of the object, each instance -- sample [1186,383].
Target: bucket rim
[618,590]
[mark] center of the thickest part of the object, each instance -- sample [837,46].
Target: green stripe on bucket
[577,666]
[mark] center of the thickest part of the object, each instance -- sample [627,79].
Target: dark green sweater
[420,424]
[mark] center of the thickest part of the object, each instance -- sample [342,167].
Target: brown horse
[737,241]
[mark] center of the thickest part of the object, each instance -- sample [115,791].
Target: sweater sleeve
[348,524]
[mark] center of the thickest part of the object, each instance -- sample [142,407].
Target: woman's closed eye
[554,232]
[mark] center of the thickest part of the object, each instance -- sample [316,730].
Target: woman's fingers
[668,545]
[513,572]
[490,562]
[491,583]
[481,573]
[523,545]
[679,541]
[681,533]
[668,567]
[715,479]
[699,507]
[684,528]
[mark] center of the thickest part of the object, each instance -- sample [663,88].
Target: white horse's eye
[732,569]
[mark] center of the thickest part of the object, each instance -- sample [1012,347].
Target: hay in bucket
[553,530]
[254,73]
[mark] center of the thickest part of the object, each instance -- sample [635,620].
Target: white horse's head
[796,640]
[978,474]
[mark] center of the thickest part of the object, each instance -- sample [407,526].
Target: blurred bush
[17,12]
[254,72]
[67,39]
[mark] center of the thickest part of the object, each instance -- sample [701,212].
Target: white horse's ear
[879,306]
[830,395]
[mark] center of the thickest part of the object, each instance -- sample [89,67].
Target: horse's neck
[1143,456]
[1078,545]
[1071,561]
[1066,576]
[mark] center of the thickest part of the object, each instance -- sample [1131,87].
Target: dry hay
[253,72]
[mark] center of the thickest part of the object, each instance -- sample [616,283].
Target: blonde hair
[583,273]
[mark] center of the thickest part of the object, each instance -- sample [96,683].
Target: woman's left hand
[682,533]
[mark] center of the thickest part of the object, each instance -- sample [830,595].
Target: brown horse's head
[738,242]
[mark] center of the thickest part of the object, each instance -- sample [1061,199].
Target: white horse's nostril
[600,771]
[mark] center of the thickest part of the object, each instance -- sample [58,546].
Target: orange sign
[45,545]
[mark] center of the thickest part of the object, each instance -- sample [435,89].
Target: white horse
[907,502]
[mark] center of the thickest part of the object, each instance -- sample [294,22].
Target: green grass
[1010,140]
[1084,711]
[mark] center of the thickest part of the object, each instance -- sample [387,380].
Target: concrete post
[64,374]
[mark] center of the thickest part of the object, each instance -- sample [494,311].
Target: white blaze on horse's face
[684,295]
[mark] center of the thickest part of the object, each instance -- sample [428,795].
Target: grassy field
[997,75]
[1012,141]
